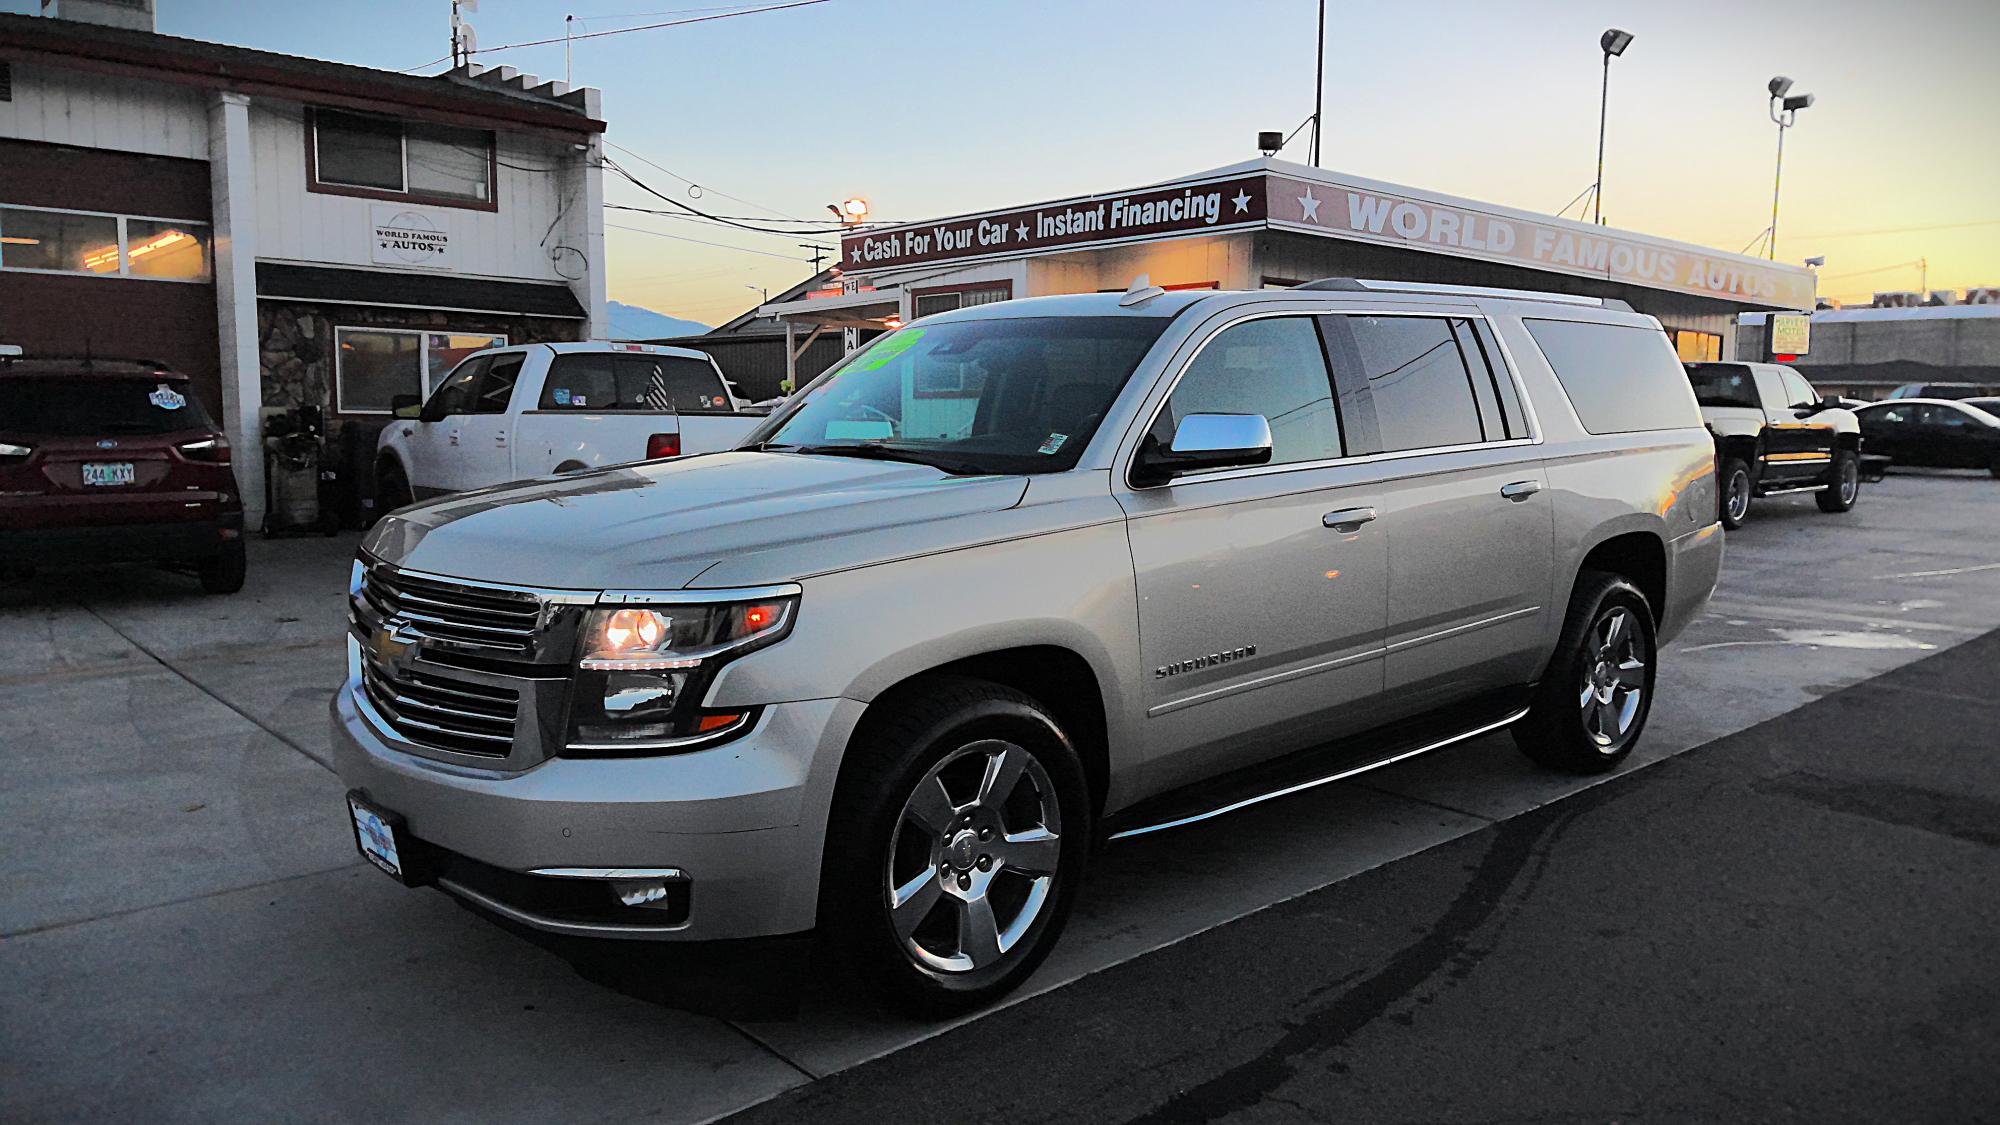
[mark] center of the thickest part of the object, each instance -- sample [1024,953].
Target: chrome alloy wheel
[974,856]
[1614,679]
[1737,498]
[1850,481]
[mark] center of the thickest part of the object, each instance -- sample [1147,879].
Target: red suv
[114,461]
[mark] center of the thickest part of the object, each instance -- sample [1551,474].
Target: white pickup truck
[508,414]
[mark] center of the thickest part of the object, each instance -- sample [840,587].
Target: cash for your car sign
[1099,219]
[406,236]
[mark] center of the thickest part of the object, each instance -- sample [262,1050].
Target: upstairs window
[362,154]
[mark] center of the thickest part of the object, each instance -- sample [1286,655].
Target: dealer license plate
[105,473]
[376,836]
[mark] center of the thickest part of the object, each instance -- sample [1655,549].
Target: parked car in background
[1013,579]
[1944,390]
[1938,433]
[512,413]
[114,460]
[1774,435]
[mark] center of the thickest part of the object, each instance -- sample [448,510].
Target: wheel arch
[1059,678]
[1640,557]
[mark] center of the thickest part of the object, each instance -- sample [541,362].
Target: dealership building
[287,231]
[1269,223]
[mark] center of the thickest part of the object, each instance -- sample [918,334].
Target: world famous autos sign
[1148,213]
[1371,213]
[1512,238]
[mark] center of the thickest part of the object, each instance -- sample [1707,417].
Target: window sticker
[891,348]
[167,398]
[1052,443]
[562,396]
[578,400]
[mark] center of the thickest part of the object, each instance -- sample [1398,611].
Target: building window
[47,241]
[355,153]
[1698,347]
[924,302]
[374,365]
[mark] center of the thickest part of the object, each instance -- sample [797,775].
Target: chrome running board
[1315,783]
[1790,491]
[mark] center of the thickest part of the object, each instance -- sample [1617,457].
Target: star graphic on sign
[1310,206]
[1022,229]
[1242,200]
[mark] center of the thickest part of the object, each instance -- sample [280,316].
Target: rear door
[1464,502]
[1892,430]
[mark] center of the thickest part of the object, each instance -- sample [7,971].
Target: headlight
[643,669]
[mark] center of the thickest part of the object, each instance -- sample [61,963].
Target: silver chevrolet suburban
[1014,581]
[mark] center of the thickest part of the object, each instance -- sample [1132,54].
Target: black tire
[1846,487]
[392,490]
[1994,468]
[945,721]
[224,573]
[1558,729]
[1733,493]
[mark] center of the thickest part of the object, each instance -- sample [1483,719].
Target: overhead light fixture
[1779,85]
[850,211]
[1798,102]
[1269,141]
[1815,261]
[1614,41]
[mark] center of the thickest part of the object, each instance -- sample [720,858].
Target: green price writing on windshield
[890,348]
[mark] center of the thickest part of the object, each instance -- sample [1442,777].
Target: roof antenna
[1141,291]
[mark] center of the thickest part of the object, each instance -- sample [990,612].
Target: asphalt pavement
[1795,922]
[186,933]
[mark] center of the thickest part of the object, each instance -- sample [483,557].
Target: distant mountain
[630,322]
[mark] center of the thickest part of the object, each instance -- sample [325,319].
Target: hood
[658,526]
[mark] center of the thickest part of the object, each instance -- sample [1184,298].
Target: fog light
[647,892]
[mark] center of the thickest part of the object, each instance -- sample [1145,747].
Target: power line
[1879,269]
[692,218]
[650,26]
[704,242]
[696,190]
[1903,230]
[671,201]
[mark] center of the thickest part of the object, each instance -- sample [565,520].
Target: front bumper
[744,822]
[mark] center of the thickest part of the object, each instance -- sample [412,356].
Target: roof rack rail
[1359,285]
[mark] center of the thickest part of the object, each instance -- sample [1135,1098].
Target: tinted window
[1723,384]
[1496,363]
[88,406]
[1619,379]
[1417,380]
[597,381]
[1272,367]
[358,150]
[1889,416]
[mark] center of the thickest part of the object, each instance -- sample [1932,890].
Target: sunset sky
[942,107]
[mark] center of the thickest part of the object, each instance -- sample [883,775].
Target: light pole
[1783,111]
[1319,82]
[1613,42]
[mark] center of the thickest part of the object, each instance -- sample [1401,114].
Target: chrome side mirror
[1206,441]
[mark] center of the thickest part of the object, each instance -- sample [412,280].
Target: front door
[1797,448]
[439,435]
[1261,591]
[485,452]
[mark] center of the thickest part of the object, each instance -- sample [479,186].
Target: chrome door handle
[1520,489]
[1347,519]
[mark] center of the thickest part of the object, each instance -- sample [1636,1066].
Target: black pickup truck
[1774,435]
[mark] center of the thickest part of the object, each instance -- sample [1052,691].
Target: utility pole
[1319,83]
[818,254]
[569,23]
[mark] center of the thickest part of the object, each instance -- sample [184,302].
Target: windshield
[1723,385]
[1021,395]
[86,407]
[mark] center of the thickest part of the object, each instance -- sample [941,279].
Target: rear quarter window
[1619,379]
[601,381]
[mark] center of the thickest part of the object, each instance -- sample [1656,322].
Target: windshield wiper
[878,451]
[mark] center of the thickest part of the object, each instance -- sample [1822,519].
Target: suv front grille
[499,620]
[447,714]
